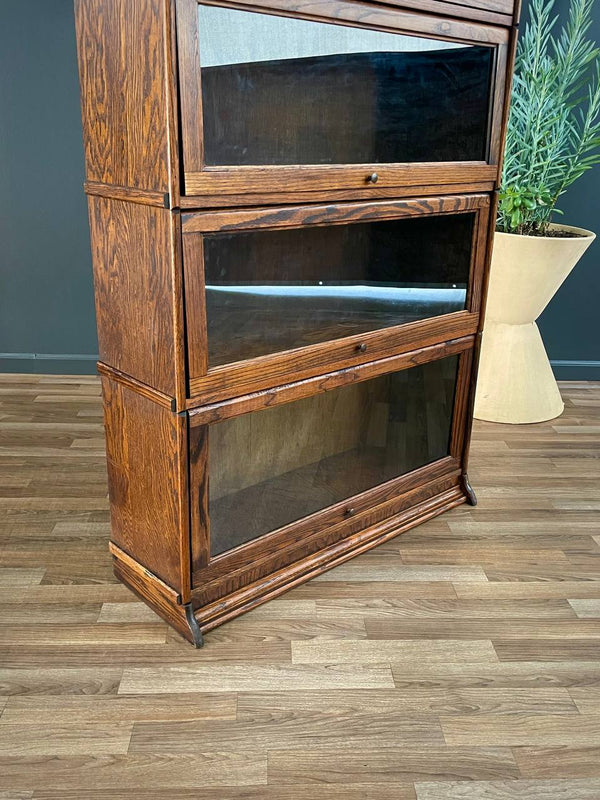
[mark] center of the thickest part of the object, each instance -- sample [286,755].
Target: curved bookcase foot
[197,638]
[161,598]
[468,490]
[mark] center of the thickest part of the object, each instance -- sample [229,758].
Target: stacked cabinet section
[319,469]
[290,306]
[331,99]
[275,294]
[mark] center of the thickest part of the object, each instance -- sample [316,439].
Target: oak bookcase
[291,206]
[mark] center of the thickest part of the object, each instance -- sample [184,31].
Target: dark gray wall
[46,300]
[570,326]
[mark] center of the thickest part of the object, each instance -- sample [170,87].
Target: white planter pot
[515,382]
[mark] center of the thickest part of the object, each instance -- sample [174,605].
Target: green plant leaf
[553,132]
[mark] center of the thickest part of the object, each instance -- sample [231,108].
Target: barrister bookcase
[291,206]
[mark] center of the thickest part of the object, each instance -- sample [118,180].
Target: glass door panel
[274,466]
[282,91]
[269,291]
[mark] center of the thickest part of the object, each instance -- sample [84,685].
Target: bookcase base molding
[193,619]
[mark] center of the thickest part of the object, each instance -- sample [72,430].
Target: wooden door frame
[232,185]
[210,385]
[255,560]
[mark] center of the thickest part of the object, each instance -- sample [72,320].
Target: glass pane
[277,90]
[274,290]
[277,465]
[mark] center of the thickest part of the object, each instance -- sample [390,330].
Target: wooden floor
[461,660]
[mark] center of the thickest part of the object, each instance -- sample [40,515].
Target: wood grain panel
[296,216]
[143,467]
[123,75]
[268,398]
[306,535]
[493,11]
[134,279]
[264,372]
[373,192]
[238,180]
[370,15]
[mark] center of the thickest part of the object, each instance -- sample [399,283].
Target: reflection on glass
[274,290]
[277,90]
[271,467]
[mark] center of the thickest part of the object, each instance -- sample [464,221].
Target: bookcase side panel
[146,449]
[125,77]
[139,332]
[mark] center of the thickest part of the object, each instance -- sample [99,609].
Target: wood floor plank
[516,674]
[172,651]
[42,614]
[65,635]
[249,677]
[529,590]
[312,791]
[20,576]
[522,729]
[448,609]
[558,762]
[589,607]
[53,739]
[125,612]
[264,706]
[89,709]
[507,630]
[52,681]
[398,651]
[313,727]
[365,590]
[459,660]
[485,556]
[577,649]
[585,789]
[543,573]
[259,628]
[390,765]
[142,771]
[480,543]
[50,594]
[368,570]
[586,698]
